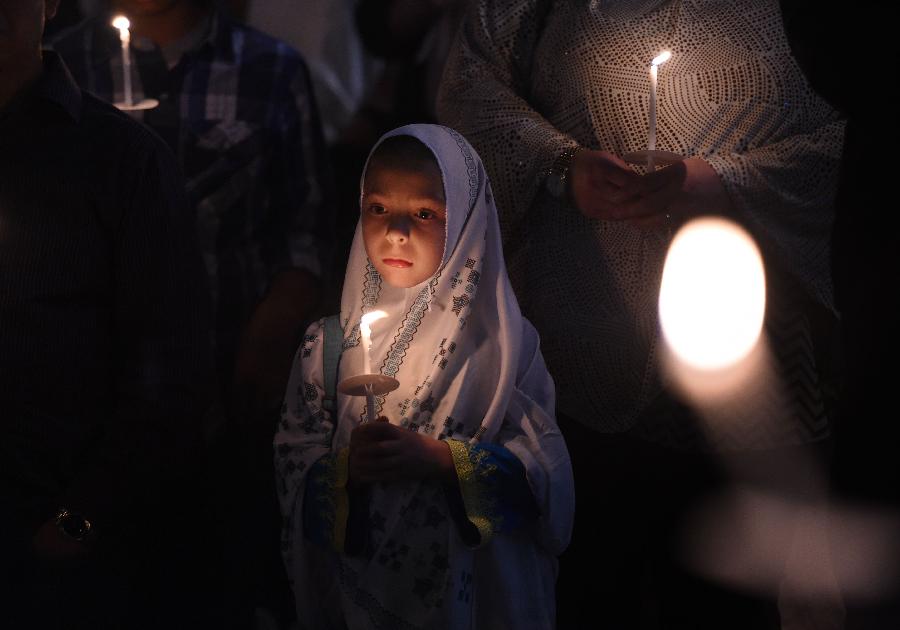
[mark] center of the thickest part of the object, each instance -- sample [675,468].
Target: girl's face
[404,216]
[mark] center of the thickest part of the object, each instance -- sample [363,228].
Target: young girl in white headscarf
[450,510]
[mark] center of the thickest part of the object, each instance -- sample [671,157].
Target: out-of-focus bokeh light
[121,22]
[713,295]
[661,58]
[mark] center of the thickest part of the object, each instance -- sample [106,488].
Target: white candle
[365,331]
[370,403]
[123,24]
[651,133]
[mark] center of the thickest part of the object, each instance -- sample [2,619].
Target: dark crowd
[202,205]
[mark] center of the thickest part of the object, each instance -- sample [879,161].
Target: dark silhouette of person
[105,363]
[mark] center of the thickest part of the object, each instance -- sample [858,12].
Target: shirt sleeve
[524,479]
[298,230]
[493,494]
[785,191]
[484,95]
[161,353]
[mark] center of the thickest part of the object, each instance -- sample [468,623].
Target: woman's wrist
[704,191]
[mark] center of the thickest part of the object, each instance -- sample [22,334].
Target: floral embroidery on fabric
[465,587]
[327,494]
[308,342]
[451,428]
[459,303]
[380,618]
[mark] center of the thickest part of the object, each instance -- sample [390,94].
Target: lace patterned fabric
[530,78]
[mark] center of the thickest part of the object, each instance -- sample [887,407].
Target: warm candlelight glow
[713,295]
[365,329]
[123,24]
[661,58]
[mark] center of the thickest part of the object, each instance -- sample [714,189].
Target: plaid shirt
[238,110]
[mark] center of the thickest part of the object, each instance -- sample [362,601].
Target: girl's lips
[399,263]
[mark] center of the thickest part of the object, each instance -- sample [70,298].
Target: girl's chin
[401,278]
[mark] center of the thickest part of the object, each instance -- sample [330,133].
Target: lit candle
[365,331]
[651,133]
[121,22]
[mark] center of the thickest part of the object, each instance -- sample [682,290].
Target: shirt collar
[57,86]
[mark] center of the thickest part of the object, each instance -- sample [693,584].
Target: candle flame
[366,322]
[121,22]
[713,295]
[365,330]
[661,58]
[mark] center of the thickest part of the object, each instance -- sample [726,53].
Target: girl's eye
[376,209]
[425,214]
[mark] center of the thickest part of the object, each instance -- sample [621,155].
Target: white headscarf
[463,319]
[470,369]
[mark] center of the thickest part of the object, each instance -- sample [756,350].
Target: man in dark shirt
[104,350]
[237,109]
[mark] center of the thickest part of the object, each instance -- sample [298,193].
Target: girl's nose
[398,231]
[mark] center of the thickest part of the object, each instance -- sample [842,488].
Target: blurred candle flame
[661,58]
[713,295]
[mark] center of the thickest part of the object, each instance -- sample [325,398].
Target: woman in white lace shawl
[448,513]
[531,80]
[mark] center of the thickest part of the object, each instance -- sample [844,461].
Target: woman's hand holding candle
[679,192]
[603,189]
[601,182]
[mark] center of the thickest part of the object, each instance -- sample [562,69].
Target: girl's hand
[383,452]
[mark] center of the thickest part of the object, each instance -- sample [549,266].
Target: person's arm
[295,238]
[488,493]
[524,480]
[484,96]
[784,192]
[268,340]
[160,365]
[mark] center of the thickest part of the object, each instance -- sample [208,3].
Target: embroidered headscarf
[453,341]
[469,369]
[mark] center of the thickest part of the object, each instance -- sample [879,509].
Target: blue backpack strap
[334,341]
